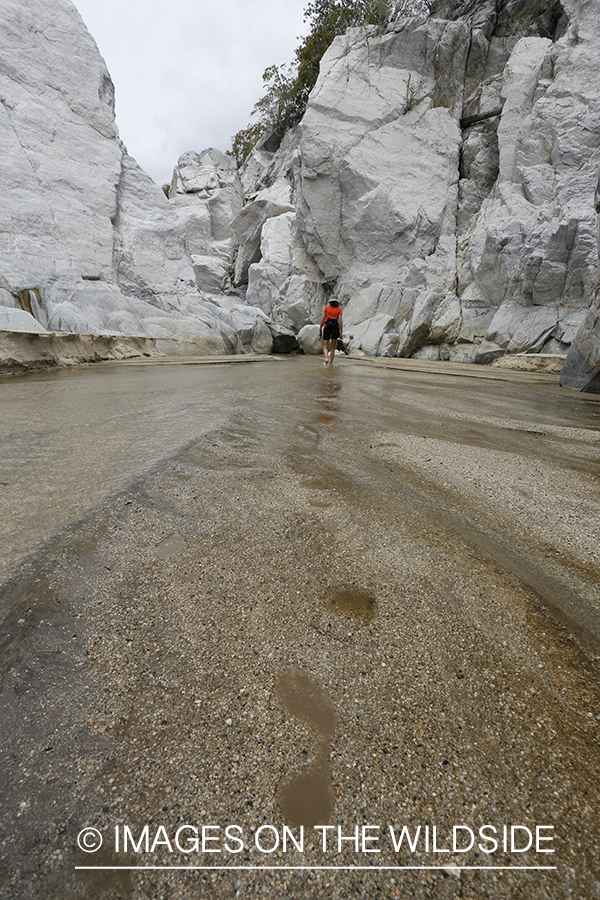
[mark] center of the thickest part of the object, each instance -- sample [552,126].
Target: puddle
[175,544]
[355,603]
[307,798]
[99,883]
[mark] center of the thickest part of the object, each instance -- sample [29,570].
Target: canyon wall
[442,181]
[88,242]
[440,185]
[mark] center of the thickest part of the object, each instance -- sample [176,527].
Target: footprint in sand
[307,798]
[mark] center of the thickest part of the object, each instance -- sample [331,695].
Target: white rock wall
[83,230]
[443,187]
[530,257]
[440,185]
[283,278]
[207,194]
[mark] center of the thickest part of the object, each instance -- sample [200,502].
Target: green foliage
[287,88]
[280,102]
[166,188]
[244,141]
[413,94]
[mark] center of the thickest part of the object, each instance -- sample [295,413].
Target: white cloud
[188,72]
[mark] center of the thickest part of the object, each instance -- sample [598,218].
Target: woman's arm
[322,322]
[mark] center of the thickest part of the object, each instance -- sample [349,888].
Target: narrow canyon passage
[297,596]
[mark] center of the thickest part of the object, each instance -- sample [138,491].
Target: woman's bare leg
[325,350]
[332,344]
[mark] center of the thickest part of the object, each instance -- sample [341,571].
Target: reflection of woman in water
[330,329]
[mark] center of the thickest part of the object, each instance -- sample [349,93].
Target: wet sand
[342,597]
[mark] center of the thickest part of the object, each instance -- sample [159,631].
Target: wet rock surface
[376,589]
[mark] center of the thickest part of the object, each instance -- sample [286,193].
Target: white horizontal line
[320,868]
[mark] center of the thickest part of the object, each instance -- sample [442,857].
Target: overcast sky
[188,72]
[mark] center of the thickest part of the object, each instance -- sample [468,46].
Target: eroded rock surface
[581,370]
[208,195]
[443,184]
[88,242]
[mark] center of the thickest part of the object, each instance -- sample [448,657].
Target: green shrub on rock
[244,141]
[287,88]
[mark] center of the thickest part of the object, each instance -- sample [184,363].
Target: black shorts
[331,333]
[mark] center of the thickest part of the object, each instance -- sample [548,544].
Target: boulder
[518,329]
[428,351]
[268,203]
[212,274]
[581,369]
[262,339]
[367,336]
[286,283]
[284,340]
[309,340]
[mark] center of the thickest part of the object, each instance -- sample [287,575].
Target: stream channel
[275,595]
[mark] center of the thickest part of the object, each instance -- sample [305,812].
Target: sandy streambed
[354,598]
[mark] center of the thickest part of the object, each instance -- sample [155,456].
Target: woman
[330,329]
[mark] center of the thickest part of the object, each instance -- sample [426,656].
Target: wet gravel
[365,598]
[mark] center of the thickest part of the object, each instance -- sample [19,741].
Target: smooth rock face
[43,125]
[379,170]
[283,278]
[82,227]
[581,370]
[309,339]
[19,320]
[269,194]
[286,283]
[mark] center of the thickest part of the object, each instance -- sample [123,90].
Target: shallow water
[328,607]
[354,603]
[71,439]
